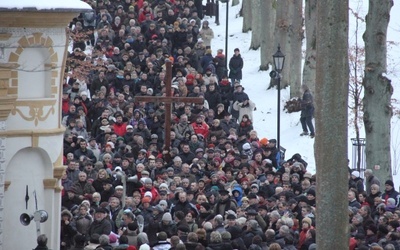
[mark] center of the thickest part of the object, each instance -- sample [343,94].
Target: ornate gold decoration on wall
[58,171]
[36,110]
[50,183]
[33,110]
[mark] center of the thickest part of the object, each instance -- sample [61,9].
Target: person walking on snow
[307,112]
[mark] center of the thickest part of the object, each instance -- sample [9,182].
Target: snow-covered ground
[256,83]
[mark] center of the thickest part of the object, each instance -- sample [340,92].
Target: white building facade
[33,47]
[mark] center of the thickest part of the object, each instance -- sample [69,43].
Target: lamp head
[279,60]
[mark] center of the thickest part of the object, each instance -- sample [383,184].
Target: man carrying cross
[167,100]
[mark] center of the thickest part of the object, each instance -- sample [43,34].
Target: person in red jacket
[119,125]
[66,102]
[200,127]
[148,187]
[306,225]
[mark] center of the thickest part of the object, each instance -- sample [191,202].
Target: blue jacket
[238,199]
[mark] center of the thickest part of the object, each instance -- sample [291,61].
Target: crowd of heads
[218,184]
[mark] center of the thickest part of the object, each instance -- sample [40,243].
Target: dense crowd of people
[218,185]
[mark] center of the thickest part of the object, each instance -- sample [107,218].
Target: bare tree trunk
[296,35]
[330,148]
[282,38]
[267,33]
[377,90]
[309,62]
[246,13]
[255,24]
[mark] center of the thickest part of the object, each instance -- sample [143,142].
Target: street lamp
[226,30]
[226,34]
[279,61]
[216,12]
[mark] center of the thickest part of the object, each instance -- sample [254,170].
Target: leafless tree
[378,90]
[330,148]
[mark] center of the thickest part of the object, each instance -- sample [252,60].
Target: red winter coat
[302,237]
[120,129]
[155,196]
[65,106]
[201,128]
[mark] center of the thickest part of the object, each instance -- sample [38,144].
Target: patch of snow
[256,83]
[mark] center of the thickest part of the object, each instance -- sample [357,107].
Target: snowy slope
[256,83]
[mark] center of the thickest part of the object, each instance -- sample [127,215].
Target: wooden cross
[168,100]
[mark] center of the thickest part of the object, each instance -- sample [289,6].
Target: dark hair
[42,240]
[394,224]
[123,239]
[257,240]
[394,236]
[180,215]
[364,193]
[95,238]
[79,240]
[132,226]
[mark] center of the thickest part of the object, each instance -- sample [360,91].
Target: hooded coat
[207,34]
[238,199]
[244,109]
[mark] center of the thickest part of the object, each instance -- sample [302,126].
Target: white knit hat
[144,247]
[167,217]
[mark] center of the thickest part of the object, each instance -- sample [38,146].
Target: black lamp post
[226,30]
[279,61]
[217,12]
[226,33]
